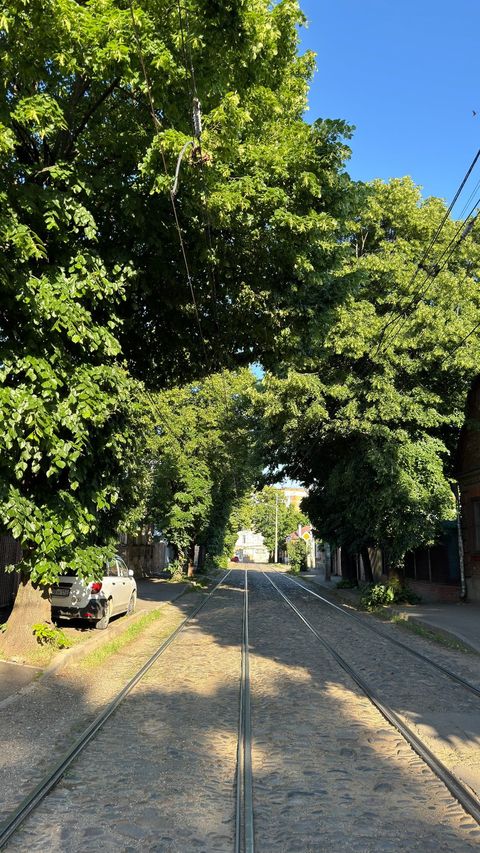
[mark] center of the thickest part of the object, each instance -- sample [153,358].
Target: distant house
[250,548]
[293,495]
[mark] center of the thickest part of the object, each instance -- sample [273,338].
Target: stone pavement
[329,775]
[152,592]
[459,619]
[14,676]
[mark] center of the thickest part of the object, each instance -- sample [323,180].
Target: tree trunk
[367,564]
[191,559]
[202,553]
[32,605]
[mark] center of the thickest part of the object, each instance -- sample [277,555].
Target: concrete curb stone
[351,597]
[100,639]
[77,652]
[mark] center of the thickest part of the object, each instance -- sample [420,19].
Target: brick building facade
[468,475]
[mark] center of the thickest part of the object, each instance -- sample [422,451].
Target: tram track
[457,788]
[243,800]
[244,624]
[244,834]
[453,676]
[33,800]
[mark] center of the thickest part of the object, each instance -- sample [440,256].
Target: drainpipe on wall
[463,586]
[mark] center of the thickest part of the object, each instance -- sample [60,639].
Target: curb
[78,651]
[444,632]
[352,600]
[100,639]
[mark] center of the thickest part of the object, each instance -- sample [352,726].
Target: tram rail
[55,774]
[368,627]
[244,834]
[243,782]
[456,787]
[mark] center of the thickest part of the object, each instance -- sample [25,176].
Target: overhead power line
[460,235]
[158,128]
[184,25]
[399,314]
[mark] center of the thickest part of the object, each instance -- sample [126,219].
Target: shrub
[47,636]
[379,594]
[347,583]
[297,556]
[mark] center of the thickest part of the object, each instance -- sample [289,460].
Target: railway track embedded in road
[462,794]
[244,836]
[238,779]
[55,774]
[368,627]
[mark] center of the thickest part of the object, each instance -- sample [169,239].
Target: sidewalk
[460,620]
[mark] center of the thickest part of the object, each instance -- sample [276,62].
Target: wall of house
[468,475]
[470,500]
[10,554]
[434,573]
[144,556]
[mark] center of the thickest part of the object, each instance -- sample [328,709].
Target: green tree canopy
[85,165]
[93,288]
[371,422]
[257,511]
[269,503]
[204,455]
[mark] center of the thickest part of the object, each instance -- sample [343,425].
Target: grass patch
[428,634]
[98,656]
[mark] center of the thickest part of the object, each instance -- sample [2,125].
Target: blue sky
[407,74]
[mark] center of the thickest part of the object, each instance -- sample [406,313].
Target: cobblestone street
[329,773]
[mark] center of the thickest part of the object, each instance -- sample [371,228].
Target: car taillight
[96,586]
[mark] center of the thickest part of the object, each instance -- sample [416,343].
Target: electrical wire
[463,230]
[459,344]
[184,25]
[158,128]
[439,229]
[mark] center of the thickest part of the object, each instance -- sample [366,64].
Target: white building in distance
[249,547]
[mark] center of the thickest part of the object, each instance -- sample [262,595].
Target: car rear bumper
[95,609]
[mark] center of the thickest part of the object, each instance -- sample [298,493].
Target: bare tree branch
[90,112]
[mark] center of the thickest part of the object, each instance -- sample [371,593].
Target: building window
[476,524]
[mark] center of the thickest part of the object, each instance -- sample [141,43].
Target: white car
[97,601]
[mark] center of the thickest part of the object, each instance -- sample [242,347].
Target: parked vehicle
[97,601]
[235,559]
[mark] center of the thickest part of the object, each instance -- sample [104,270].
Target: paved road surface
[329,773]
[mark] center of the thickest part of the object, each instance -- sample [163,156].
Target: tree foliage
[373,418]
[268,504]
[256,510]
[92,285]
[204,454]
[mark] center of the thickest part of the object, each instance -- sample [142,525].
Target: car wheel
[102,623]
[131,604]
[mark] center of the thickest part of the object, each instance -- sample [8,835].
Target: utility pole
[275,553]
[461,560]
